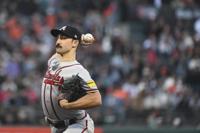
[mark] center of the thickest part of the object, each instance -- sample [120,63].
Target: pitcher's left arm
[90,100]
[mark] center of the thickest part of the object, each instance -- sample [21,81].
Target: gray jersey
[58,72]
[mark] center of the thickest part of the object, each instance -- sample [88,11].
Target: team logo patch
[54,64]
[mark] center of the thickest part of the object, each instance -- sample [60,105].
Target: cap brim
[56,32]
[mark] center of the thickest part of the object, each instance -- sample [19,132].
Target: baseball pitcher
[67,88]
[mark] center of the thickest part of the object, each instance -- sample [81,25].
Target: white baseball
[87,38]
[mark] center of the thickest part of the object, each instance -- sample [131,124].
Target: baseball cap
[68,31]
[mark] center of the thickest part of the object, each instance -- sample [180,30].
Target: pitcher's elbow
[99,101]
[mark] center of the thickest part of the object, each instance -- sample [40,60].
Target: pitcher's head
[68,38]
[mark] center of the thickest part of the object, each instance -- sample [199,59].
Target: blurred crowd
[145,61]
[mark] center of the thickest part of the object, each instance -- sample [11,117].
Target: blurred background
[146,59]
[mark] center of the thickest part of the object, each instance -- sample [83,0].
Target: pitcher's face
[64,44]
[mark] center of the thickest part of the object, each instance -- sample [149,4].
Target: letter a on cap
[63,28]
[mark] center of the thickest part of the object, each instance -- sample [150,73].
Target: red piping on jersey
[66,66]
[86,124]
[51,89]
[92,90]
[83,116]
[45,99]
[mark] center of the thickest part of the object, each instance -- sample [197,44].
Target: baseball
[88,36]
[87,39]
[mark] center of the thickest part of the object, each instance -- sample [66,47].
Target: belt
[61,124]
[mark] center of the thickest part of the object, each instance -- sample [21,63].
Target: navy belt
[61,124]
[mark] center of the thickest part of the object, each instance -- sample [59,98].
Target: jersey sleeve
[90,83]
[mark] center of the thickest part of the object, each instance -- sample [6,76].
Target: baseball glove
[73,88]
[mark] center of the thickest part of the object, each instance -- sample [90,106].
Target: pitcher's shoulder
[54,57]
[83,73]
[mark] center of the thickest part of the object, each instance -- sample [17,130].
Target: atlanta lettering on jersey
[53,79]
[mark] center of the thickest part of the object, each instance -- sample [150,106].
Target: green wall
[148,130]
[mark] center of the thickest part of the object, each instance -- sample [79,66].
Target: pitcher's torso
[56,74]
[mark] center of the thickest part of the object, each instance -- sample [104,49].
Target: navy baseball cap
[68,31]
